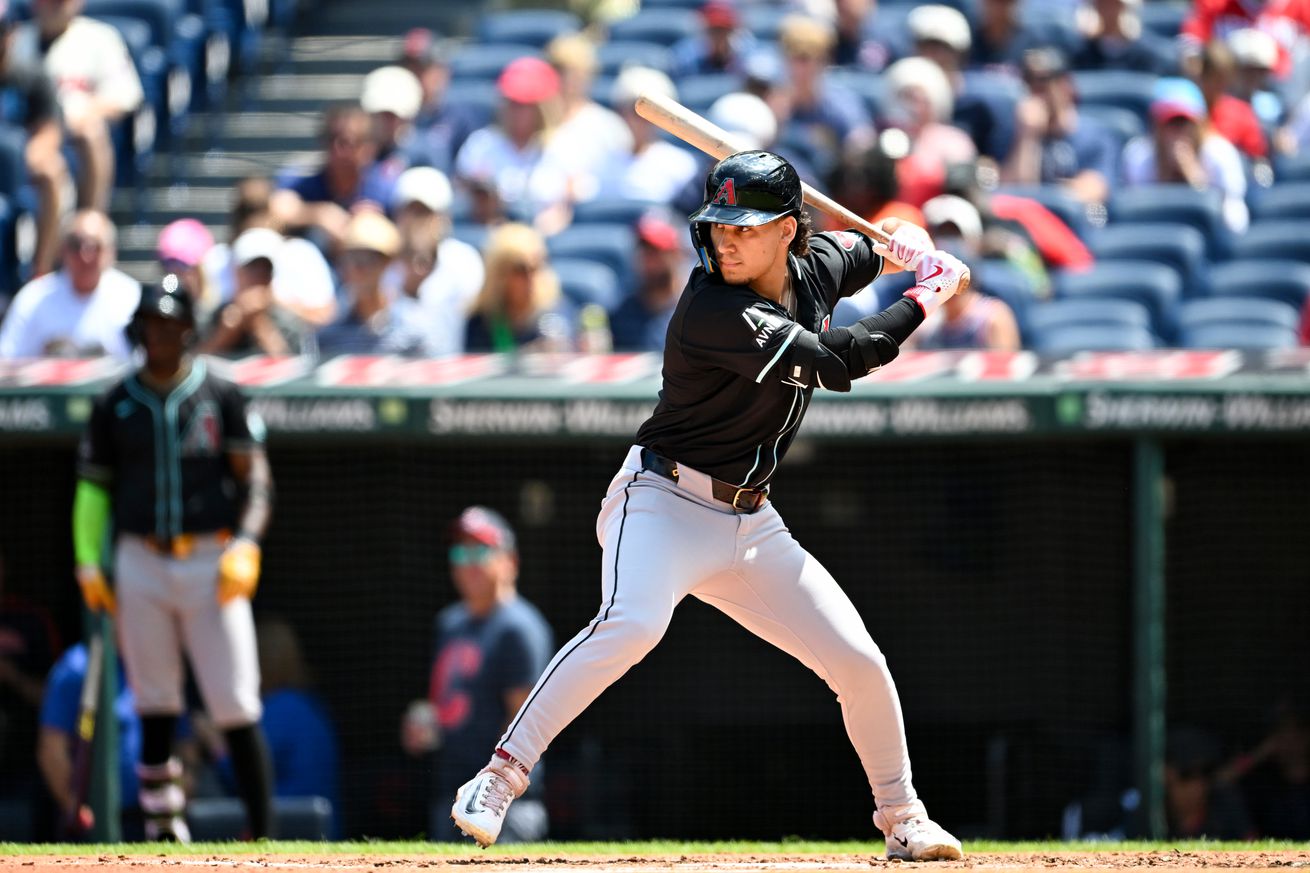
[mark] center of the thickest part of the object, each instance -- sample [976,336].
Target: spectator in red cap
[721,46]
[441,125]
[489,648]
[509,156]
[641,320]
[1182,149]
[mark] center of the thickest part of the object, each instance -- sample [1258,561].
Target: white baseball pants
[663,540]
[167,605]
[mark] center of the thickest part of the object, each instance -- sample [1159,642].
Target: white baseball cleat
[481,803]
[912,836]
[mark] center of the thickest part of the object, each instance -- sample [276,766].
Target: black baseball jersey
[726,407]
[164,458]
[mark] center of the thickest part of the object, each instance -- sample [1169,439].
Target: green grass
[629,849]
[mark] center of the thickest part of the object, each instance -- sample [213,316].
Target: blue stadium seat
[1123,123]
[691,5]
[1239,336]
[1288,281]
[607,210]
[1123,88]
[614,56]
[1156,286]
[1004,281]
[1284,200]
[174,31]
[872,90]
[1087,312]
[611,244]
[1164,17]
[1178,245]
[473,234]
[1055,198]
[1286,239]
[13,165]
[1093,338]
[1178,204]
[486,60]
[764,21]
[699,92]
[1292,168]
[662,25]
[526,26]
[586,281]
[1237,310]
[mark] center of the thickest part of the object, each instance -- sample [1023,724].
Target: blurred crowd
[500,193]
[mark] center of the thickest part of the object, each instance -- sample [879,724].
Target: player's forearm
[54,758]
[258,508]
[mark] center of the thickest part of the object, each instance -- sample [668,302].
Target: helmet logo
[727,193]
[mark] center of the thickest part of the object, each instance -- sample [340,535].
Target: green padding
[90,520]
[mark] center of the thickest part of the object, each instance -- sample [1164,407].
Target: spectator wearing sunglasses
[80,310]
[490,647]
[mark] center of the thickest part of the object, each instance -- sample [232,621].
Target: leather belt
[181,546]
[744,500]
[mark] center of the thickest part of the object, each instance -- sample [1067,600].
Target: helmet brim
[739,216]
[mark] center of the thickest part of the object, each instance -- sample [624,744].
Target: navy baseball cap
[485,526]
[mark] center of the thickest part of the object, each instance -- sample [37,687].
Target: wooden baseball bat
[77,822]
[716,142]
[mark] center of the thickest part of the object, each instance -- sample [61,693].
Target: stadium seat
[1094,338]
[606,210]
[1164,17]
[1239,336]
[764,21]
[1004,281]
[1237,310]
[526,26]
[1292,168]
[473,234]
[1156,286]
[662,25]
[1179,204]
[614,56]
[1178,245]
[611,244]
[699,92]
[486,60]
[1087,312]
[586,281]
[13,165]
[1288,281]
[672,4]
[1286,239]
[872,90]
[1284,200]
[1123,123]
[1055,198]
[1123,88]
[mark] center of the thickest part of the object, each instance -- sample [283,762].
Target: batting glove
[96,593]
[937,277]
[907,245]
[238,570]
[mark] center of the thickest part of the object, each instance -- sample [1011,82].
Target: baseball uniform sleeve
[243,430]
[844,262]
[95,453]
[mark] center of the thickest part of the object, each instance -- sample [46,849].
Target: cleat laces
[497,795]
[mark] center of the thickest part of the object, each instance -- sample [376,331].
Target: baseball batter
[173,459]
[689,510]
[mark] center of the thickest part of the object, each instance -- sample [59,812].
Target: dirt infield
[1084,862]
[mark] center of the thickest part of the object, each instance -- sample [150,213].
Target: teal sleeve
[90,521]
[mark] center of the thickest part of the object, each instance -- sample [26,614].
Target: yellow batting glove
[96,593]
[238,570]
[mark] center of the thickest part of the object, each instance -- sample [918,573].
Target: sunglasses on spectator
[175,265]
[83,243]
[362,258]
[525,267]
[470,555]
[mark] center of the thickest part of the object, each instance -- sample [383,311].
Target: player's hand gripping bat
[695,130]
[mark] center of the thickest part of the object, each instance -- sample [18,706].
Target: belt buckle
[755,504]
[183,545]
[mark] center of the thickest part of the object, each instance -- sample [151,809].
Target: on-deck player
[171,455]
[688,512]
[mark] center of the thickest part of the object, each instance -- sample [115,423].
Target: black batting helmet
[168,299]
[745,189]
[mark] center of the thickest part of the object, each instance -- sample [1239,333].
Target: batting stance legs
[664,540]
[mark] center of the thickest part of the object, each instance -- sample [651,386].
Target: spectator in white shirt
[654,169]
[588,134]
[81,309]
[97,85]
[442,273]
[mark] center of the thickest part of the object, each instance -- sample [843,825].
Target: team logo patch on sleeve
[845,239]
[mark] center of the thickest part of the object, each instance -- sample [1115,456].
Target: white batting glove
[907,245]
[937,277]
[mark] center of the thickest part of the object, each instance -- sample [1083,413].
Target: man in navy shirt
[490,647]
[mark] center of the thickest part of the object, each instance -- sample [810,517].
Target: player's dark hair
[800,243]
